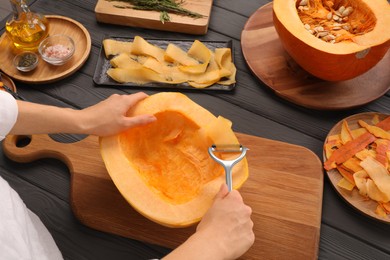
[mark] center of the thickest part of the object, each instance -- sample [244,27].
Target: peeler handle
[228,176]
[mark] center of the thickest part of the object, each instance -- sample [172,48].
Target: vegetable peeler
[228,164]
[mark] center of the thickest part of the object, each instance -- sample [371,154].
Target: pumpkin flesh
[163,169]
[351,53]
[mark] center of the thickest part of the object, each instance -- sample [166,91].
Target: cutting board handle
[28,148]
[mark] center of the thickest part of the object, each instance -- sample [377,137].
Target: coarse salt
[57,51]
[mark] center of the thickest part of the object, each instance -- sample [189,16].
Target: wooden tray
[45,72]
[284,190]
[8,82]
[362,204]
[271,64]
[106,12]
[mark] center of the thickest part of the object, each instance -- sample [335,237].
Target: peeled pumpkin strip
[379,175]
[223,57]
[216,70]
[139,75]
[114,47]
[367,187]
[124,60]
[142,47]
[175,54]
[375,130]
[348,150]
[200,52]
[170,73]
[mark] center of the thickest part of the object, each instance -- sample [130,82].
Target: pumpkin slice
[163,169]
[176,54]
[143,47]
[124,60]
[114,47]
[201,53]
[334,40]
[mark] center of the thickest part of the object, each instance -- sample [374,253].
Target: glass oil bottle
[26,29]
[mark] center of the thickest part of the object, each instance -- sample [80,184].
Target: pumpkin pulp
[179,166]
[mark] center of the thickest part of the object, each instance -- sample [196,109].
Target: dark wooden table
[253,108]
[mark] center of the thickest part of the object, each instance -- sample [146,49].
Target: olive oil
[26,29]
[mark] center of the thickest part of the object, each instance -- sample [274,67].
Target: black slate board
[101,78]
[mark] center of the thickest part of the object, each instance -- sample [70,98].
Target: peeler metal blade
[228,164]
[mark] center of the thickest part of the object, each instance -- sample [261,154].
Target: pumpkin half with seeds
[163,169]
[334,40]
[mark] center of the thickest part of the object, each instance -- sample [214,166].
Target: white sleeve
[8,113]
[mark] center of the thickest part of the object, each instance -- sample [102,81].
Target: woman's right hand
[225,231]
[228,224]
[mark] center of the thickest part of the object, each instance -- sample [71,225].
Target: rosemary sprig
[162,6]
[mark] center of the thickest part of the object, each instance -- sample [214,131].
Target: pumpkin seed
[341,9]
[303,2]
[337,13]
[322,34]
[346,27]
[307,26]
[329,16]
[347,11]
[335,17]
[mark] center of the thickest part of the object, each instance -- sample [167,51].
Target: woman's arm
[225,232]
[105,118]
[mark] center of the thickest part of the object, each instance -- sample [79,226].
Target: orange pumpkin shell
[163,169]
[341,60]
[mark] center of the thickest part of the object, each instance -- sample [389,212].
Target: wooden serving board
[44,72]
[270,63]
[106,12]
[284,190]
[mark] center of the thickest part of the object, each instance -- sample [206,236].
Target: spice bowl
[57,49]
[26,61]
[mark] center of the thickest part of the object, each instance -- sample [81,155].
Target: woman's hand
[225,231]
[109,116]
[228,224]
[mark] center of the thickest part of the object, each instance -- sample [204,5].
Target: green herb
[162,6]
[27,60]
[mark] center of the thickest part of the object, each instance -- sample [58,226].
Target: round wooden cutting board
[45,73]
[359,202]
[271,64]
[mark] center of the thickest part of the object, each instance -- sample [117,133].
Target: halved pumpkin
[359,38]
[163,169]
